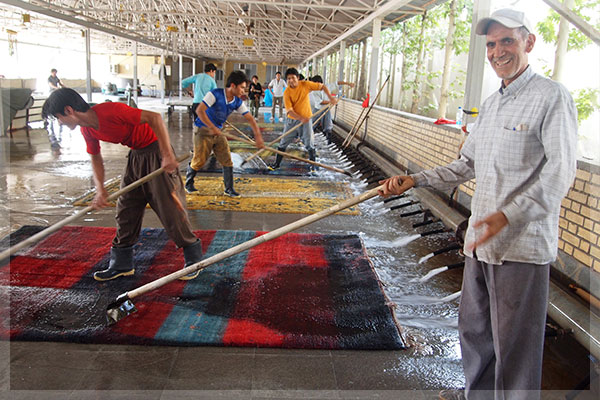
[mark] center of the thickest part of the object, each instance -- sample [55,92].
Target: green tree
[459,14]
[568,38]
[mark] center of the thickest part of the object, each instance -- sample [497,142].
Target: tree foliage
[586,101]
[548,28]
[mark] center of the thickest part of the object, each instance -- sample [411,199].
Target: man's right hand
[100,199]
[396,185]
[215,131]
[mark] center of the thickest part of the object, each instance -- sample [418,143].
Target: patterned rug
[306,291]
[260,194]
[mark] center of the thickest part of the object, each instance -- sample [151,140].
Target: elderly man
[522,153]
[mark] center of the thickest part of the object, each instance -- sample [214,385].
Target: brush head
[119,309]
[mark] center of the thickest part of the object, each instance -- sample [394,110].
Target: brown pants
[205,143]
[276,101]
[164,193]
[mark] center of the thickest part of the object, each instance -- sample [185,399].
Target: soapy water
[425,258]
[426,300]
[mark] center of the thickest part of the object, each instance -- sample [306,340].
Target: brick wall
[415,143]
[579,226]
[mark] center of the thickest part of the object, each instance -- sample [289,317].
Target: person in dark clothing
[255,93]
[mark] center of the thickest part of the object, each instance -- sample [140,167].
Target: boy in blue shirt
[203,83]
[216,106]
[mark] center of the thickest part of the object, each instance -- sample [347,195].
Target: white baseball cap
[505,16]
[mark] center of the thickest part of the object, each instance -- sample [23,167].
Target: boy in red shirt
[145,133]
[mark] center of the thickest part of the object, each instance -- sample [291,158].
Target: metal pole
[88,66]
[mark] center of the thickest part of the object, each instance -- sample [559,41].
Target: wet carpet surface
[296,291]
[260,194]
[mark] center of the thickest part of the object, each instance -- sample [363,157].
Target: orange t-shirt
[297,98]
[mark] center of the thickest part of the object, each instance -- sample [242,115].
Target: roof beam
[381,12]
[77,21]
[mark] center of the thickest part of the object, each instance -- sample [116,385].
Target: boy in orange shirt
[297,105]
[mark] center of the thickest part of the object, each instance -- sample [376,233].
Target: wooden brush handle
[53,228]
[253,242]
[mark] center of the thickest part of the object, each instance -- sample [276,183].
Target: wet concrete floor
[41,175]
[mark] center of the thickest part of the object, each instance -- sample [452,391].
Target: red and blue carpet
[297,291]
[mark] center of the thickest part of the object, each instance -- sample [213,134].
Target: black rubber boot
[328,136]
[228,180]
[190,174]
[277,162]
[312,156]
[120,264]
[192,254]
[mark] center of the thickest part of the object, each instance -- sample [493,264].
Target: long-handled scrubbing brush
[123,305]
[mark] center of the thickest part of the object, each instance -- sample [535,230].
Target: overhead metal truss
[275,31]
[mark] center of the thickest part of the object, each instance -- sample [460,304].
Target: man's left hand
[494,222]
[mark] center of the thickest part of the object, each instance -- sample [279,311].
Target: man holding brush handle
[216,106]
[145,133]
[522,153]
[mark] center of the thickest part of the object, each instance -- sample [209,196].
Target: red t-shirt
[118,123]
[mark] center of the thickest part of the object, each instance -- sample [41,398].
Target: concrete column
[342,61]
[324,72]
[193,66]
[374,68]
[88,65]
[315,70]
[476,60]
[180,74]
[162,78]
[135,72]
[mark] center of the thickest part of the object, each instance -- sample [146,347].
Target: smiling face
[292,81]
[507,50]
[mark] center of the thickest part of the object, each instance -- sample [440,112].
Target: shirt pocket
[518,141]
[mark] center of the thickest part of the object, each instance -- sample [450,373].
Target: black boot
[312,156]
[120,264]
[328,136]
[278,159]
[192,254]
[190,174]
[228,180]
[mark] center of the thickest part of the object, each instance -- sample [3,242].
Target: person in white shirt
[277,86]
[318,99]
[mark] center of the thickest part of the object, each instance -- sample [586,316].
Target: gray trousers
[164,193]
[305,133]
[326,122]
[502,319]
